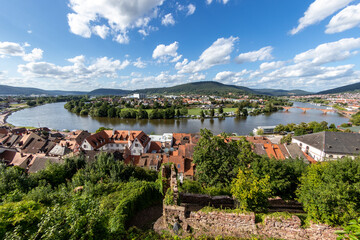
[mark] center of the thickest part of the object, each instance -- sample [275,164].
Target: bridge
[325,111]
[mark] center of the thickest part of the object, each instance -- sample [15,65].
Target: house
[40,161]
[265,129]
[329,145]
[136,141]
[151,161]
[165,140]
[14,158]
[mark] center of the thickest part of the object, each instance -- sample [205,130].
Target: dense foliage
[74,200]
[330,191]
[251,192]
[218,160]
[306,128]
[355,119]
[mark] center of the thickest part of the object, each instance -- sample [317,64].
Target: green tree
[212,112]
[251,192]
[202,114]
[355,119]
[286,139]
[284,175]
[330,191]
[221,110]
[111,113]
[216,159]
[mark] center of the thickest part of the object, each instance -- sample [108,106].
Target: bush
[284,175]
[251,192]
[330,191]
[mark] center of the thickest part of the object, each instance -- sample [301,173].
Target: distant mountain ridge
[204,87]
[9,90]
[346,88]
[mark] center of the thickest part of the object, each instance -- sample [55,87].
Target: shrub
[251,192]
[330,191]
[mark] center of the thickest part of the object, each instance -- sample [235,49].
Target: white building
[265,129]
[166,139]
[329,145]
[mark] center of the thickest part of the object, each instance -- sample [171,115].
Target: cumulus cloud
[101,67]
[11,49]
[231,77]
[221,1]
[165,52]
[164,79]
[346,19]
[330,52]
[139,63]
[318,11]
[191,9]
[271,65]
[167,20]
[101,30]
[218,53]
[120,16]
[260,55]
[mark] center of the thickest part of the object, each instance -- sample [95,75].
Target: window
[136,145]
[178,166]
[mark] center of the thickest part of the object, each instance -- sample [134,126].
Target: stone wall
[242,225]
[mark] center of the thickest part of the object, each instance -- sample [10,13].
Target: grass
[209,209]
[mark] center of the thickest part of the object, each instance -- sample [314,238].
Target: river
[55,116]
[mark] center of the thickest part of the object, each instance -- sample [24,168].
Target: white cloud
[271,65]
[102,67]
[346,19]
[221,1]
[191,9]
[330,52]
[101,30]
[167,20]
[139,63]
[120,16]
[36,54]
[260,55]
[165,52]
[29,31]
[231,77]
[11,49]
[218,53]
[318,11]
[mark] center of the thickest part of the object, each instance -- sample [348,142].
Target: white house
[166,139]
[329,145]
[266,129]
[112,140]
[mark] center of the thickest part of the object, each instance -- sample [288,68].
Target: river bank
[3,118]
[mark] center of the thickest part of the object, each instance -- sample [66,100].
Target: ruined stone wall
[243,225]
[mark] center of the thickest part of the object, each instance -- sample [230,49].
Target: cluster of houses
[32,149]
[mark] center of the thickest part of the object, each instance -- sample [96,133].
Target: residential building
[136,141]
[329,145]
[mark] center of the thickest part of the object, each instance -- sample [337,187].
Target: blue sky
[130,44]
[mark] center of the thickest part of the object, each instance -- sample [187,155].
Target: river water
[55,116]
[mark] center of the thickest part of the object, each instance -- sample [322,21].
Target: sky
[83,45]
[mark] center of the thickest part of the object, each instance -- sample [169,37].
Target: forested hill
[280,92]
[205,87]
[347,88]
[109,92]
[8,90]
